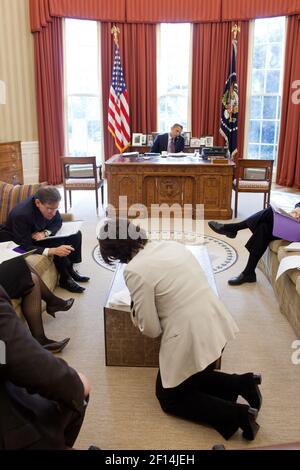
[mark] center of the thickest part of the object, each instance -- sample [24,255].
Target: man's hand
[85,383]
[62,250]
[296,213]
[38,236]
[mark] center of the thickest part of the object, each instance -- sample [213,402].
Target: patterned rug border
[230,259]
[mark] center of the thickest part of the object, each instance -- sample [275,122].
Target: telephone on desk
[207,152]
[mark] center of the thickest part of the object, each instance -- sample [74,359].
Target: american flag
[118,109]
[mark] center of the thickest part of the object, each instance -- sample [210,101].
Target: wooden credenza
[181,180]
[11,168]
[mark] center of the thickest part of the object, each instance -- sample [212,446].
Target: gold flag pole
[115,31]
[235,30]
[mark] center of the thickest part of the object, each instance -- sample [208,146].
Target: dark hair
[177,125]
[120,239]
[48,194]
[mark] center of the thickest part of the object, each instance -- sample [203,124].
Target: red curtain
[48,50]
[160,11]
[212,45]
[288,164]
[250,9]
[138,57]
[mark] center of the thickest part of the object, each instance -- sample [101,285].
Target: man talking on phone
[171,142]
[33,222]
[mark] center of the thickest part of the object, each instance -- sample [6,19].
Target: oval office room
[166,98]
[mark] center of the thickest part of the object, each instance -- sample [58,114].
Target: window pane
[256,107]
[258,81]
[274,56]
[84,125]
[172,79]
[269,107]
[259,57]
[253,151]
[267,152]
[254,133]
[273,81]
[268,132]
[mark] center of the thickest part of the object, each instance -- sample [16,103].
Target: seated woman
[18,281]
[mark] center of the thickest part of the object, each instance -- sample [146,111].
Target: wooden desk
[124,343]
[181,180]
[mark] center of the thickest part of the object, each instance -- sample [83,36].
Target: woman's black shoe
[56,346]
[62,306]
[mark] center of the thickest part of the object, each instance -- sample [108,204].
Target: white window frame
[158,49]
[100,96]
[249,86]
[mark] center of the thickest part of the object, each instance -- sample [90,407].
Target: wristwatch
[47,233]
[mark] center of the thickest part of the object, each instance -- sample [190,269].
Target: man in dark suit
[172,142]
[31,224]
[261,226]
[42,399]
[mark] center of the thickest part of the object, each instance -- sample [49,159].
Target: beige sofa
[287,287]
[10,196]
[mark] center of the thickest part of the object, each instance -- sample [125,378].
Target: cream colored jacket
[172,297]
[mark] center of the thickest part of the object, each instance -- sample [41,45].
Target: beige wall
[18,120]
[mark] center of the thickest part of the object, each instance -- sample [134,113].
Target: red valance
[39,14]
[159,11]
[102,10]
[250,9]
[42,11]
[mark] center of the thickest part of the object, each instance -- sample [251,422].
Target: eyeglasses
[50,209]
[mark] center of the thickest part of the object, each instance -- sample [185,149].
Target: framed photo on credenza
[187,138]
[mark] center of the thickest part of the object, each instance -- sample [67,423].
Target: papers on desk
[9,250]
[289,262]
[181,154]
[67,229]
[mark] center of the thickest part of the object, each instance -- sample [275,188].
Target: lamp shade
[2,92]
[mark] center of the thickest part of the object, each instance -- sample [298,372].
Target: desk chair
[92,181]
[262,184]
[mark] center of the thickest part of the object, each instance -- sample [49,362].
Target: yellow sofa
[287,287]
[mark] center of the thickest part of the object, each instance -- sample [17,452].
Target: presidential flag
[230,105]
[118,109]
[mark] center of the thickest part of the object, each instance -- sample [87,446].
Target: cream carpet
[123,412]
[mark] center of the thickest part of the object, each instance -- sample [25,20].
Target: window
[173,75]
[265,88]
[83,107]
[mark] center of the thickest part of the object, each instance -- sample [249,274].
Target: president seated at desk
[171,142]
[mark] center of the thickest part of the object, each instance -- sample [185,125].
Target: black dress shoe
[221,229]
[56,346]
[241,279]
[70,285]
[63,306]
[250,390]
[248,424]
[77,277]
